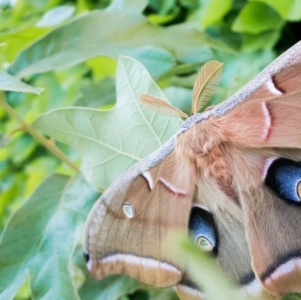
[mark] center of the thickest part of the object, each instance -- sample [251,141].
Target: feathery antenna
[161,107]
[205,84]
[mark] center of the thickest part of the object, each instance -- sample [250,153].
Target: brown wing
[285,81]
[232,253]
[269,122]
[267,189]
[263,140]
[127,229]
[269,108]
[275,241]
[238,149]
[231,250]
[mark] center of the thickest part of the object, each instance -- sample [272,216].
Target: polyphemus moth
[231,178]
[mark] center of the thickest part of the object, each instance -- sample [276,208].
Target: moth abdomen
[283,177]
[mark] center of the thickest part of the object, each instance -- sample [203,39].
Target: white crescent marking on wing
[285,269]
[200,206]
[267,164]
[149,179]
[172,188]
[191,291]
[268,121]
[272,88]
[138,260]
[89,265]
[254,288]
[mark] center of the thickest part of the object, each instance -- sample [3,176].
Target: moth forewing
[141,215]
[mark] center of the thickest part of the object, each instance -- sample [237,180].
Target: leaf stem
[35,134]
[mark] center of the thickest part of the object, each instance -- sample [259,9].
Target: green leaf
[4,3]
[159,294]
[40,239]
[163,7]
[102,66]
[265,40]
[11,83]
[136,6]
[115,139]
[56,16]
[3,140]
[182,69]
[15,36]
[111,288]
[159,19]
[109,32]
[152,57]
[24,142]
[257,17]
[292,297]
[288,9]
[214,11]
[100,93]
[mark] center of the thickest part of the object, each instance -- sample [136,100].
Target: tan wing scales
[132,241]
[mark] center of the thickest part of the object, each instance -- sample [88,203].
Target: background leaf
[257,17]
[287,9]
[10,83]
[98,33]
[56,16]
[134,131]
[111,288]
[90,94]
[214,11]
[42,236]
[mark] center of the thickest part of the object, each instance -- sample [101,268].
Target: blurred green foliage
[70,49]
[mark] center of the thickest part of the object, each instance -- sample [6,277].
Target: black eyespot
[202,229]
[284,178]
[86,256]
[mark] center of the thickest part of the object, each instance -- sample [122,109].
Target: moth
[230,177]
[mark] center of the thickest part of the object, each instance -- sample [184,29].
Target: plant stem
[35,134]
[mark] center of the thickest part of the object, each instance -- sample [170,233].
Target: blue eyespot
[202,229]
[284,178]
